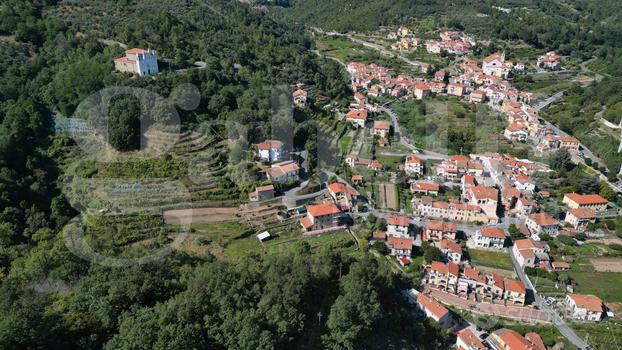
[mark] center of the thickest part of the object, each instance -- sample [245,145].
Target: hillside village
[457,205]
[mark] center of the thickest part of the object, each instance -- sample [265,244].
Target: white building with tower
[137,61]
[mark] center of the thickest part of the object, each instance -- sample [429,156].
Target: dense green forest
[574,27]
[53,55]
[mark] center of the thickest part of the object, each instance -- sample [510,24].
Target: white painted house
[137,61]
[270,150]
[584,307]
[490,237]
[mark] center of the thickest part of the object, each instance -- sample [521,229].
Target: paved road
[559,323]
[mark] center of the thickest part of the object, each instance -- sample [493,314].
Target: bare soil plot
[202,215]
[607,264]
[500,272]
[386,194]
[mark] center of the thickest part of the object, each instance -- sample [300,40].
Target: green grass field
[606,285]
[499,260]
[601,336]
[390,162]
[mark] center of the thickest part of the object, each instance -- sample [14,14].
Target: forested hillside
[575,27]
[53,55]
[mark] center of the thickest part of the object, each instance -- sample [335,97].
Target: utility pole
[319,317]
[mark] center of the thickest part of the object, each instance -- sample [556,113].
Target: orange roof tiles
[135,51]
[424,186]
[588,302]
[582,213]
[543,219]
[323,209]
[400,243]
[268,144]
[514,286]
[412,159]
[398,220]
[451,246]
[471,340]
[306,222]
[483,192]
[357,114]
[382,124]
[432,306]
[437,225]
[439,267]
[264,188]
[494,232]
[586,199]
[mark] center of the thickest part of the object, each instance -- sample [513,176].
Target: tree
[124,132]
[515,232]
[606,191]
[432,253]
[560,160]
[356,309]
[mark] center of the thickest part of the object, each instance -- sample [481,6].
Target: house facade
[270,150]
[137,61]
[490,237]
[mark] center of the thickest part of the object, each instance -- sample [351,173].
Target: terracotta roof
[357,114]
[514,286]
[299,92]
[494,232]
[560,265]
[374,164]
[493,57]
[322,209]
[528,243]
[432,306]
[582,213]
[471,273]
[498,280]
[585,199]
[400,243]
[436,225]
[453,269]
[468,179]
[421,86]
[338,187]
[483,192]
[424,186]
[451,246]
[536,340]
[514,127]
[264,188]
[513,340]
[404,260]
[439,267]
[379,235]
[382,124]
[413,159]
[135,51]
[398,220]
[543,219]
[125,59]
[471,340]
[306,222]
[589,302]
[268,144]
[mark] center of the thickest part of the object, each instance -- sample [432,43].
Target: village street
[559,323]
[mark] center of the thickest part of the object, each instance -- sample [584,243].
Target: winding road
[559,322]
